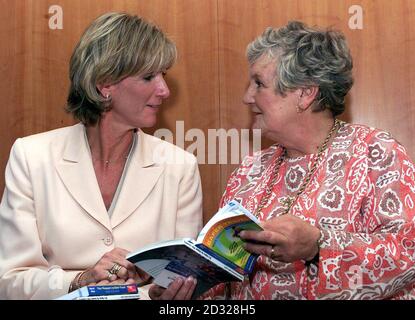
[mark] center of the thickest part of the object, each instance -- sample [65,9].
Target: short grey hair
[308,57]
[114,47]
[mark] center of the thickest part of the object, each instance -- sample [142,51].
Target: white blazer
[53,221]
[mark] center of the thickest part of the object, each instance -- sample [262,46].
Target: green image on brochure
[221,234]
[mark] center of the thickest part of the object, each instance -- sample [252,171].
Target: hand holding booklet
[216,256]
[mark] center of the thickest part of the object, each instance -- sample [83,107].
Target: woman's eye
[148,77]
[258,83]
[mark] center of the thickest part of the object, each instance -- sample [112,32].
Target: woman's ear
[307,96]
[104,90]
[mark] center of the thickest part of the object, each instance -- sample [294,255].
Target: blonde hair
[308,57]
[113,47]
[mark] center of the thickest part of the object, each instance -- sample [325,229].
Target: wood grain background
[210,76]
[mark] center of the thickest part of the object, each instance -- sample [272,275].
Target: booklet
[216,256]
[104,292]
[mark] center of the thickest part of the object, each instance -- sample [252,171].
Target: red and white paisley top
[362,198]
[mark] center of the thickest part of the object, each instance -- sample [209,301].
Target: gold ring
[118,268]
[115,268]
[109,275]
[273,255]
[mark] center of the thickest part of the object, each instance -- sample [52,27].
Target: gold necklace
[121,159]
[289,201]
[108,162]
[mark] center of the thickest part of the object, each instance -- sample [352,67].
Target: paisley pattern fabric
[361,197]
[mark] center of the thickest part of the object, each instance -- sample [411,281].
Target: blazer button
[108,241]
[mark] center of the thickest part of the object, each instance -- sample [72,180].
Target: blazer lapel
[142,175]
[77,173]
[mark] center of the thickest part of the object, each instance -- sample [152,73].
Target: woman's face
[273,113]
[136,100]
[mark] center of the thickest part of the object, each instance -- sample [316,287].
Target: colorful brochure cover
[220,234]
[216,256]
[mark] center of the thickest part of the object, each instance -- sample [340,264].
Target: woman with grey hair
[336,200]
[78,199]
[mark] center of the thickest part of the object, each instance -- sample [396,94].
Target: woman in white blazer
[78,199]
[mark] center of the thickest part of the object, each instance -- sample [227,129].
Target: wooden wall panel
[34,62]
[383,94]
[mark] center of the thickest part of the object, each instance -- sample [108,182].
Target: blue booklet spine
[112,290]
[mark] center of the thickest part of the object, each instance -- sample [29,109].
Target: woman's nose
[163,89]
[248,97]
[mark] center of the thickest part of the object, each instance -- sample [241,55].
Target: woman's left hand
[179,289]
[285,238]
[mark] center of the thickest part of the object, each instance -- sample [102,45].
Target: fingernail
[241,234]
[191,280]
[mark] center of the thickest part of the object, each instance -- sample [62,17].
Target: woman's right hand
[100,271]
[179,289]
